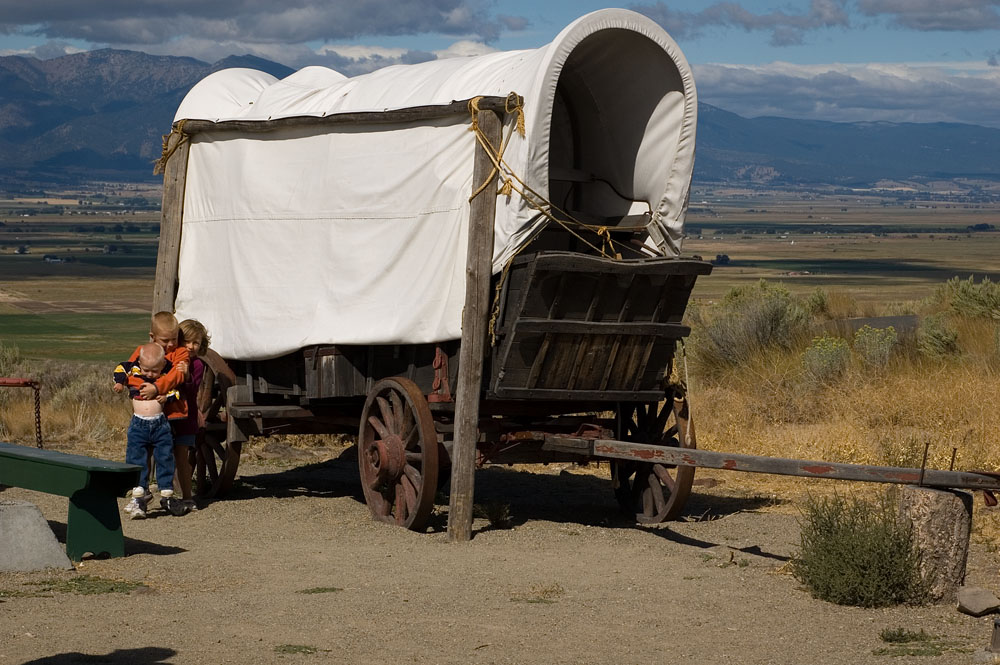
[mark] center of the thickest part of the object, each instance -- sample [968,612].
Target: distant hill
[94,114]
[784,151]
[101,114]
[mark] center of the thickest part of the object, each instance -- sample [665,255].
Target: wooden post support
[941,521]
[172,209]
[475,320]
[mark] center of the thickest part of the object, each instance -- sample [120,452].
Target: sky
[837,60]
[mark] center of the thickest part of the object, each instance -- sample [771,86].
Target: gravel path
[291,568]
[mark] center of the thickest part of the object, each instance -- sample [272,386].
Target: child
[149,431]
[163,332]
[195,338]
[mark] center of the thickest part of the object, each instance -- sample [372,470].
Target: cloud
[355,59]
[942,15]
[850,93]
[463,49]
[786,28]
[151,22]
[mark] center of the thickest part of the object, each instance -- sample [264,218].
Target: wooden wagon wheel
[398,454]
[216,459]
[654,492]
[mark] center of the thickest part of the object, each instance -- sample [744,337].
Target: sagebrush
[857,552]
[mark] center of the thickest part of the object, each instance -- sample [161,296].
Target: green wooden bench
[92,485]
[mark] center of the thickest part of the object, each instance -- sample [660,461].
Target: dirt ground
[290,568]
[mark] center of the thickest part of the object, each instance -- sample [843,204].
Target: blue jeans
[145,435]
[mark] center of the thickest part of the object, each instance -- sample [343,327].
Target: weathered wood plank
[570,327]
[171,213]
[475,321]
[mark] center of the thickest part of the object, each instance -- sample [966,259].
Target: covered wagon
[464,261]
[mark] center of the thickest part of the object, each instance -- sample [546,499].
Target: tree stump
[941,521]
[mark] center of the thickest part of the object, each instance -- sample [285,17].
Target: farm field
[880,254]
[76,272]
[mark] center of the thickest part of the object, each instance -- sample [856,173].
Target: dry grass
[85,429]
[866,418]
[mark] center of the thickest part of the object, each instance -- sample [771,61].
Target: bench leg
[94,526]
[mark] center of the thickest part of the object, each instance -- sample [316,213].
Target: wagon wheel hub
[387,459]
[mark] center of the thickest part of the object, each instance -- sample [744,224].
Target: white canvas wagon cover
[356,234]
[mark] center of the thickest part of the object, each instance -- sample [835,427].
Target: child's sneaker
[172,505]
[136,508]
[137,504]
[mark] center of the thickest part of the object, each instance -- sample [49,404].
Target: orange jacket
[174,409]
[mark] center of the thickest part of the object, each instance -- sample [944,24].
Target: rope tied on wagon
[168,150]
[609,248]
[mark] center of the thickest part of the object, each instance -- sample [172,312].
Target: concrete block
[26,541]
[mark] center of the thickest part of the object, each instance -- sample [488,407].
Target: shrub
[87,386]
[936,338]
[858,553]
[874,346]
[748,320]
[10,359]
[967,298]
[826,359]
[817,303]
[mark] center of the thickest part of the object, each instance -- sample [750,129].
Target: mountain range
[101,114]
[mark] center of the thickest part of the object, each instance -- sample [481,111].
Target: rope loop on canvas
[514,183]
[167,150]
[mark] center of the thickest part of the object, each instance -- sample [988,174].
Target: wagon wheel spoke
[409,432]
[656,490]
[216,447]
[411,474]
[409,493]
[639,418]
[208,458]
[382,508]
[660,423]
[386,411]
[379,426]
[400,508]
[397,412]
[664,477]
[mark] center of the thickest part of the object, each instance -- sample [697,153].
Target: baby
[149,429]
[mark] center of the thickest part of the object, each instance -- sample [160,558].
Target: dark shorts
[184,440]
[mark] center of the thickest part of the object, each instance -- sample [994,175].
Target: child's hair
[151,355]
[163,322]
[192,329]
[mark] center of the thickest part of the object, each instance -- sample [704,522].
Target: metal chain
[38,414]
